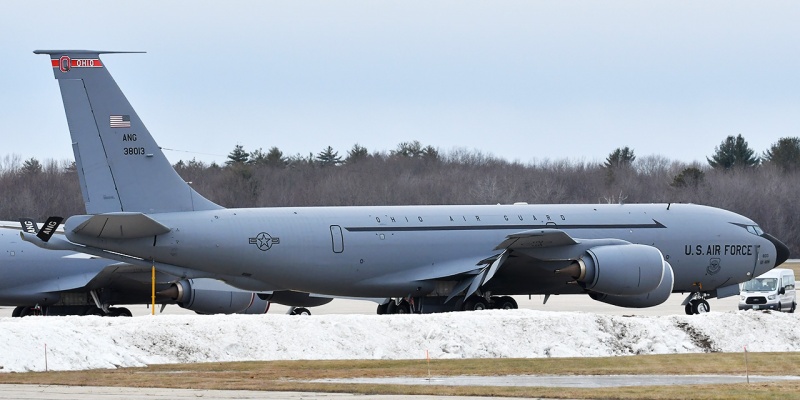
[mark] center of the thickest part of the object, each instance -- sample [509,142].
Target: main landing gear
[27,311]
[394,307]
[434,304]
[477,303]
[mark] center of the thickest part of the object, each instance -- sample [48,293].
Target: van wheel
[794,305]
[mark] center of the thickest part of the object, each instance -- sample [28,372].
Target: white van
[774,290]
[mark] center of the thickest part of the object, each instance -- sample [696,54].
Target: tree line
[762,186]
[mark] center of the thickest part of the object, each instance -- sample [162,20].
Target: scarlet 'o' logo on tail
[64,63]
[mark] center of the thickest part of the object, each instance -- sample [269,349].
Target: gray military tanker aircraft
[41,282]
[423,258]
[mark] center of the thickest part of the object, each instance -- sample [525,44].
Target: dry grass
[293,376]
[794,266]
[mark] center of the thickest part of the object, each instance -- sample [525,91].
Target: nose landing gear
[696,304]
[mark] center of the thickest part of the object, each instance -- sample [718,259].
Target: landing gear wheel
[689,308]
[505,303]
[301,311]
[403,308]
[119,312]
[94,311]
[18,311]
[31,311]
[382,308]
[700,306]
[475,304]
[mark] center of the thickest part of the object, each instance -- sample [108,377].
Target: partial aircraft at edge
[420,258]
[42,282]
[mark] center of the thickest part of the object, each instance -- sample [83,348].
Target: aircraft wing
[10,225]
[470,273]
[118,225]
[137,273]
[68,279]
[536,238]
[64,281]
[471,266]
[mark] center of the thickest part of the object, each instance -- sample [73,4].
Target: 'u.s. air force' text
[719,250]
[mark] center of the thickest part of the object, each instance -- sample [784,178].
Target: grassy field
[292,376]
[794,266]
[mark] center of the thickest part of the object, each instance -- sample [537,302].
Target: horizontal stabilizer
[116,226]
[61,243]
[536,238]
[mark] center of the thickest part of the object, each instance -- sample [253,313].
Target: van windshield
[761,285]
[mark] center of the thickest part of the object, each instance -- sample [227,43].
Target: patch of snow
[80,343]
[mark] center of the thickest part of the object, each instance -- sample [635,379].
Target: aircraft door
[337,240]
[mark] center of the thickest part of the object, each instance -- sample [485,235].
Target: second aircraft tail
[120,166]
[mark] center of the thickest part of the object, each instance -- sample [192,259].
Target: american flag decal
[119,121]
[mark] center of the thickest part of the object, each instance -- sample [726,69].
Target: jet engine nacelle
[653,298]
[210,296]
[621,270]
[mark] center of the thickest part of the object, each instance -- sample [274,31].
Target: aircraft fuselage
[389,251]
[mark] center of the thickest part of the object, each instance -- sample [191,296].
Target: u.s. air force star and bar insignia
[264,241]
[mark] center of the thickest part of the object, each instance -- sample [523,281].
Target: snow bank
[78,343]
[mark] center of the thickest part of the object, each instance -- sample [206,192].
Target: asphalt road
[36,392]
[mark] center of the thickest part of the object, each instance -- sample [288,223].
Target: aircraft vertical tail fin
[29,225]
[120,166]
[49,228]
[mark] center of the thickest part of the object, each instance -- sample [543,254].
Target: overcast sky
[525,81]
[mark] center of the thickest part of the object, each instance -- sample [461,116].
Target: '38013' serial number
[132,151]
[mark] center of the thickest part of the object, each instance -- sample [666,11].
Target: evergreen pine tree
[237,156]
[733,152]
[328,157]
[620,157]
[357,153]
[784,154]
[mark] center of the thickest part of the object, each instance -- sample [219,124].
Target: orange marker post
[153,291]
[428,356]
